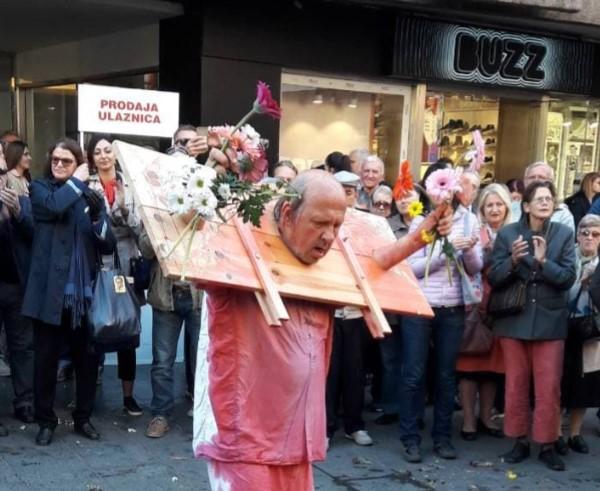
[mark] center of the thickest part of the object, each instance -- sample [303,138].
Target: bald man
[265,415]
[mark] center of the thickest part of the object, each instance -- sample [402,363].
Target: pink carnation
[442,184]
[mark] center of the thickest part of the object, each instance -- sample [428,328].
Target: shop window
[572,143]
[450,120]
[323,115]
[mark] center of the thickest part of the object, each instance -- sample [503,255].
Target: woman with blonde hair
[478,374]
[579,203]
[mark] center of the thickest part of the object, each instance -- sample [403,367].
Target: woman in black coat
[579,203]
[540,254]
[71,230]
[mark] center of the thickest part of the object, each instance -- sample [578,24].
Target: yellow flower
[427,236]
[415,209]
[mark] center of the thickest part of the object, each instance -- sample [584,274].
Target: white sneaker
[360,437]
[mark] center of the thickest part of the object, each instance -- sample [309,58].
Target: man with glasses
[542,172]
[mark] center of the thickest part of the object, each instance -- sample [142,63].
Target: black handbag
[140,271]
[114,315]
[584,328]
[508,300]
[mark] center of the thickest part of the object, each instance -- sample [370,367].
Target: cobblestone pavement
[126,460]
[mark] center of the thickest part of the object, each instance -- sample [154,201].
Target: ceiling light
[353,103]
[566,124]
[594,124]
[318,98]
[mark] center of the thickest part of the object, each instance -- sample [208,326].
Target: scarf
[110,190]
[78,290]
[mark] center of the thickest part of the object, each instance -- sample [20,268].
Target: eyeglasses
[382,204]
[65,161]
[543,199]
[182,142]
[586,233]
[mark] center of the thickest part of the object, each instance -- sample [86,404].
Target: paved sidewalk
[126,460]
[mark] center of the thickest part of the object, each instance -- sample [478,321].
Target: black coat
[57,209]
[545,314]
[579,205]
[20,235]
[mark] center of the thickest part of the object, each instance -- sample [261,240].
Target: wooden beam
[272,299]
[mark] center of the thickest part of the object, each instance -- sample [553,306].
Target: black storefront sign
[439,51]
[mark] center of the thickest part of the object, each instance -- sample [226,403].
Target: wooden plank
[272,298]
[378,324]
[218,256]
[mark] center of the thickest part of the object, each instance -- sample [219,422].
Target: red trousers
[543,360]
[239,476]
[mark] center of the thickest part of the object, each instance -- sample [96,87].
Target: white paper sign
[104,109]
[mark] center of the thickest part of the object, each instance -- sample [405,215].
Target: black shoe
[444,450]
[87,430]
[131,407]
[551,459]
[483,428]
[3,430]
[518,453]
[412,454]
[578,444]
[25,414]
[469,436]
[386,419]
[44,436]
[561,446]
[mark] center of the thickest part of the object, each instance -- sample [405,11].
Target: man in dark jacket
[16,232]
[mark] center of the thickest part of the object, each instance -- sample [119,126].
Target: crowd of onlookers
[531,257]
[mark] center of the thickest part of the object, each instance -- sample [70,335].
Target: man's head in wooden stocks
[309,224]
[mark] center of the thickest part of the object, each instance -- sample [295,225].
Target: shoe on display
[131,407]
[445,141]
[25,414]
[444,450]
[488,128]
[490,141]
[360,437]
[87,430]
[3,430]
[551,459]
[44,436]
[158,427]
[412,454]
[518,453]
[4,368]
[578,444]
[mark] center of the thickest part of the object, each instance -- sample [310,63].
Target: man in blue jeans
[174,303]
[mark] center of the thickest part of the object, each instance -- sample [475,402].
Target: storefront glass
[323,115]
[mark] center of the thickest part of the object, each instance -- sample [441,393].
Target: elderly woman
[72,229]
[540,256]
[579,390]
[478,373]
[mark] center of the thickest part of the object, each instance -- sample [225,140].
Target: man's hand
[82,173]
[227,159]
[520,249]
[10,198]
[196,146]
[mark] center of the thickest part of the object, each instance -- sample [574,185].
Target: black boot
[518,453]
[549,457]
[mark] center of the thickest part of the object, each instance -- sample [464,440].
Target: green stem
[429,256]
[241,123]
[188,249]
[183,233]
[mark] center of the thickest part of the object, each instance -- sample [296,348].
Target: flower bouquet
[441,186]
[199,193]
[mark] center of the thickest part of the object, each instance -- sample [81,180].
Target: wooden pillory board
[239,255]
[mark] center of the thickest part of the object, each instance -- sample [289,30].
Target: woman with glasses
[538,255]
[443,290]
[18,162]
[120,208]
[71,231]
[580,391]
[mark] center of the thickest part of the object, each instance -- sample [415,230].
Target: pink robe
[266,387]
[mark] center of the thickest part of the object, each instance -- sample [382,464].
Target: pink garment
[266,384]
[234,476]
